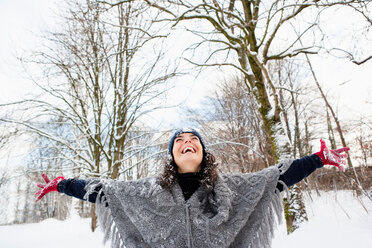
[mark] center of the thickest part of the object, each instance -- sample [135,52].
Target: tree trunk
[93,224]
[331,134]
[307,138]
[355,180]
[294,209]
[298,143]
[339,129]
[257,84]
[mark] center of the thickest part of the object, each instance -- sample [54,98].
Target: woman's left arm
[303,167]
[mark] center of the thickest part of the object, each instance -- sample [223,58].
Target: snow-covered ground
[335,220]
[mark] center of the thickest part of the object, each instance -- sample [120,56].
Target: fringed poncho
[241,211]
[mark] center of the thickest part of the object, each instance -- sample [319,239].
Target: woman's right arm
[76,188]
[72,187]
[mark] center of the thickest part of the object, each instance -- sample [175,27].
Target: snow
[74,232]
[335,220]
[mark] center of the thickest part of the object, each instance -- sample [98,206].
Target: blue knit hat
[184,130]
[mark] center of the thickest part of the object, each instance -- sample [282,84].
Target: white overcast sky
[20,20]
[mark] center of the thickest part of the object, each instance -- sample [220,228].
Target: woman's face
[187,152]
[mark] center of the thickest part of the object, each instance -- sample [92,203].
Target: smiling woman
[190,204]
[187,152]
[190,165]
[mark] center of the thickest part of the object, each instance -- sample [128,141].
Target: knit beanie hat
[185,130]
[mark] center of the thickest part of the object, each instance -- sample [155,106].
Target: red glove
[48,187]
[333,157]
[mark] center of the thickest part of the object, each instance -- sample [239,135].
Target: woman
[189,204]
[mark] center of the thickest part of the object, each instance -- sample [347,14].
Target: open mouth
[188,149]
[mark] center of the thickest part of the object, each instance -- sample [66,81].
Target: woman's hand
[333,157]
[48,187]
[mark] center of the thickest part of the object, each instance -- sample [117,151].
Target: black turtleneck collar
[189,183]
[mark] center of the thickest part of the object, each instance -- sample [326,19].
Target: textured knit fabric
[241,211]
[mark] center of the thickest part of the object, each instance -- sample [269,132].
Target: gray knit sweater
[241,211]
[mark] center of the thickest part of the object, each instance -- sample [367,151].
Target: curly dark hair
[208,172]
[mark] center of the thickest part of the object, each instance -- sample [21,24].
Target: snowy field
[335,220]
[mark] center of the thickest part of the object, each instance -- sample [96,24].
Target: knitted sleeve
[76,188]
[299,169]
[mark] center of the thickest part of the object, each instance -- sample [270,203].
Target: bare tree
[294,108]
[8,133]
[365,145]
[355,181]
[252,31]
[248,36]
[4,190]
[356,53]
[96,85]
[43,157]
[232,124]
[100,73]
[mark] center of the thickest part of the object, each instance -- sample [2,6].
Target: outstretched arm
[71,187]
[303,167]
[76,188]
[299,169]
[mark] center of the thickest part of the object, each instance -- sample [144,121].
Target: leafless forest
[106,67]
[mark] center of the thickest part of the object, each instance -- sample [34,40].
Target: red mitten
[333,157]
[48,187]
